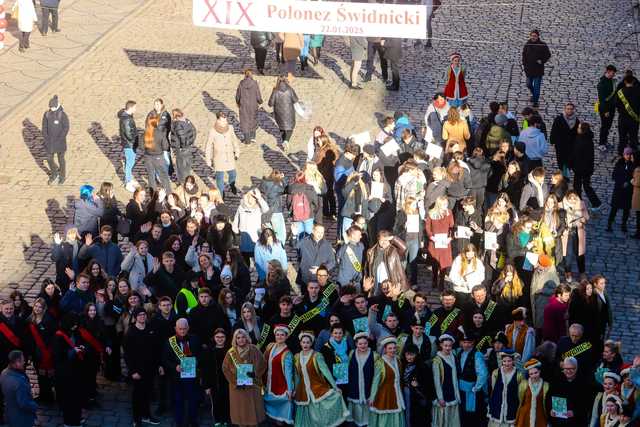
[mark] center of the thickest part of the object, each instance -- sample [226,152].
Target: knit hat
[136,311]
[545,261]
[53,102]
[627,150]
[520,146]
[519,313]
[501,119]
[613,376]
[532,363]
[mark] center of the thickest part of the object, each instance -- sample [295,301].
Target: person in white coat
[139,263]
[467,271]
[25,13]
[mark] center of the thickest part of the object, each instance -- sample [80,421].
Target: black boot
[232,186]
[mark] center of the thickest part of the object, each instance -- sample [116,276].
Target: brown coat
[582,234]
[246,404]
[293,44]
[393,257]
[635,199]
[326,158]
[222,149]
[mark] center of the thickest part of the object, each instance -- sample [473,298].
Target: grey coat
[248,98]
[50,3]
[19,406]
[282,100]
[55,127]
[86,215]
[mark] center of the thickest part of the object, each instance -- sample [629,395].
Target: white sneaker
[130,186]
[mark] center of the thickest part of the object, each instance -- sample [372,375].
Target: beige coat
[222,149]
[25,13]
[293,44]
[635,199]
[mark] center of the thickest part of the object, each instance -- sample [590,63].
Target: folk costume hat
[613,376]
[388,340]
[446,337]
[501,337]
[455,55]
[545,261]
[308,334]
[416,320]
[618,402]
[508,353]
[282,328]
[359,335]
[532,364]
[626,370]
[519,313]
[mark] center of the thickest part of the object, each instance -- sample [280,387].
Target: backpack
[300,207]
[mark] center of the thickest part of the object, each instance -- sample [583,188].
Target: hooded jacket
[535,143]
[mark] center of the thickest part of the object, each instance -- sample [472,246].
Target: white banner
[316,17]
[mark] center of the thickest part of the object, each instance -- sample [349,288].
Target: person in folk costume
[426,344]
[68,356]
[386,401]
[612,415]
[472,380]
[317,397]
[455,90]
[520,337]
[503,391]
[534,397]
[498,343]
[629,392]
[279,383]
[361,367]
[445,380]
[247,407]
[610,384]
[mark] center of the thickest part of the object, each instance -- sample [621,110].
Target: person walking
[358,47]
[581,161]
[24,11]
[534,55]
[622,189]
[129,140]
[628,105]
[292,44]
[49,7]
[563,136]
[282,100]
[183,136]
[606,104]
[221,152]
[19,406]
[249,99]
[260,42]
[55,127]
[393,54]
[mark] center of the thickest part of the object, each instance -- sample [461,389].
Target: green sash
[627,106]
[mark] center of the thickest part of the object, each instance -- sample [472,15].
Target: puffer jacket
[128,130]
[282,100]
[183,134]
[261,39]
[272,192]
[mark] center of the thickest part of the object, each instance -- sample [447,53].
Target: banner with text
[298,16]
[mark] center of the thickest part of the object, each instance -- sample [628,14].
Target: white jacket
[26,15]
[471,278]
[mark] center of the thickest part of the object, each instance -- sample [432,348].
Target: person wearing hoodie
[479,168]
[563,136]
[534,141]
[87,211]
[183,136]
[497,133]
[222,151]
[606,104]
[129,142]
[55,127]
[282,100]
[248,99]
[535,191]
[581,161]
[434,119]
[554,325]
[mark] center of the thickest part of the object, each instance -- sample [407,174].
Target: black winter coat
[55,127]
[282,100]
[183,134]
[261,39]
[272,192]
[128,131]
[581,159]
[563,138]
[531,53]
[142,350]
[479,168]
[622,188]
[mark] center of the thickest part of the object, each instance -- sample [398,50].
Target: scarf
[571,120]
[340,348]
[535,388]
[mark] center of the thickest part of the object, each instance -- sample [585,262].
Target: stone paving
[155,51]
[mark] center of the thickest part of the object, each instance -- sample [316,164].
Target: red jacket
[555,324]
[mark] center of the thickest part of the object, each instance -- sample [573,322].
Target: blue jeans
[220,178]
[534,84]
[304,227]
[129,162]
[279,227]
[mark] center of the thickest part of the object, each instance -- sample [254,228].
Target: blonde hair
[463,258]
[438,212]
[453,116]
[215,196]
[439,173]
[409,206]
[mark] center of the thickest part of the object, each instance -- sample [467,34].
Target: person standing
[156,148]
[164,130]
[49,7]
[581,161]
[393,53]
[563,136]
[292,44]
[279,384]
[606,104]
[141,356]
[387,406]
[374,45]
[472,376]
[129,141]
[504,391]
[55,127]
[282,100]
[628,105]
[446,404]
[24,11]
[622,189]
[221,152]
[20,408]
[455,89]
[183,136]
[68,354]
[534,55]
[249,99]
[260,42]
[358,47]
[534,401]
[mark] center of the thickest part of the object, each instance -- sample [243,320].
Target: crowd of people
[203,304]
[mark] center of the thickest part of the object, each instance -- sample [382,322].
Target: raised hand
[57,239]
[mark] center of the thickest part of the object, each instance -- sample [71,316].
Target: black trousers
[581,181]
[372,49]
[614,212]
[628,131]
[70,403]
[261,57]
[184,162]
[59,169]
[395,73]
[286,135]
[605,126]
[24,40]
[141,397]
[157,172]
[46,11]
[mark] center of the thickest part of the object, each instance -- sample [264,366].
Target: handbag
[124,225]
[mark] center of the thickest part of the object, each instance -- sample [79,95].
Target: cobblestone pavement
[156,51]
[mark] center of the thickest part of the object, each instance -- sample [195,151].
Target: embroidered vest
[495,400]
[278,381]
[518,346]
[386,399]
[319,385]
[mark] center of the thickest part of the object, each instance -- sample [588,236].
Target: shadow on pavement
[33,139]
